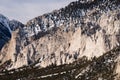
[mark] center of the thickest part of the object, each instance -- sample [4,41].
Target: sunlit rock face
[83,28]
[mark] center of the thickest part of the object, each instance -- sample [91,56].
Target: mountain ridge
[65,35]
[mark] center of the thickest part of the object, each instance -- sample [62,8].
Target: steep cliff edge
[62,36]
[105,67]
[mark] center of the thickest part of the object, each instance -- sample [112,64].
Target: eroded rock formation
[80,29]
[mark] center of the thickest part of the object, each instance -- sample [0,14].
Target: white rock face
[63,36]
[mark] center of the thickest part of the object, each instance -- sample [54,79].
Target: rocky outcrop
[101,68]
[14,25]
[62,36]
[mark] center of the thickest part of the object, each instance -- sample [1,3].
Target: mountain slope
[101,68]
[5,32]
[62,36]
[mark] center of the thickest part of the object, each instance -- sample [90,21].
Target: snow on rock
[14,24]
[80,29]
[5,31]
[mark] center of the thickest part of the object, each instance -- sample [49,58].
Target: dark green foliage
[82,69]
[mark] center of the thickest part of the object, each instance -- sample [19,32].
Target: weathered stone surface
[80,29]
